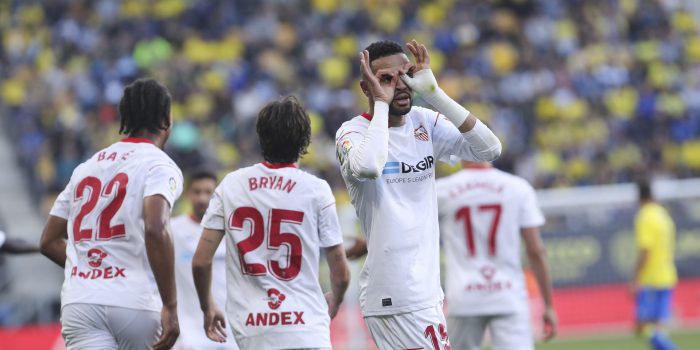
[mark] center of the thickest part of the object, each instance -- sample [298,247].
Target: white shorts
[508,332]
[422,329]
[101,327]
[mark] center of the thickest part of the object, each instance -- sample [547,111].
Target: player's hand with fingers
[549,317]
[422,79]
[215,324]
[382,84]
[171,328]
[332,304]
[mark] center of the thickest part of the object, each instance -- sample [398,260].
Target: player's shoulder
[425,116]
[359,123]
[180,219]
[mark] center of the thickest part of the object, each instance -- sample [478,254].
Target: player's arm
[358,248]
[366,161]
[53,240]
[19,246]
[644,227]
[214,321]
[482,144]
[537,259]
[339,275]
[159,248]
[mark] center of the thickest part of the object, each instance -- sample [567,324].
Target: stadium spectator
[583,92]
[110,230]
[275,218]
[186,233]
[484,214]
[387,157]
[655,272]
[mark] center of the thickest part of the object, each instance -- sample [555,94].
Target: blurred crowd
[580,92]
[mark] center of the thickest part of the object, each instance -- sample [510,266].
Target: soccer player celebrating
[275,218]
[654,273]
[484,212]
[110,229]
[387,161]
[186,233]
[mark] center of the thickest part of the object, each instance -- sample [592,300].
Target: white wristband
[424,83]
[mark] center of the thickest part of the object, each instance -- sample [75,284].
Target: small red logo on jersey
[488,272]
[420,133]
[95,257]
[275,298]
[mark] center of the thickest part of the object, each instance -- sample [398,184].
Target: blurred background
[586,97]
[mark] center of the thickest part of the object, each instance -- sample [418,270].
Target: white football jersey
[186,234]
[398,211]
[276,219]
[103,203]
[481,213]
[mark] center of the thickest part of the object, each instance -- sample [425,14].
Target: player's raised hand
[420,54]
[215,324]
[549,317]
[422,80]
[171,329]
[380,85]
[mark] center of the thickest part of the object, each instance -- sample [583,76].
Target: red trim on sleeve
[366,116]
[279,165]
[137,140]
[347,133]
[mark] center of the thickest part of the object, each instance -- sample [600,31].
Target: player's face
[402,102]
[199,193]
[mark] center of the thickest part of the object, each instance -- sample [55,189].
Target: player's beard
[394,109]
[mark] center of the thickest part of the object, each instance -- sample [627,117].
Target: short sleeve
[214,218]
[165,180]
[329,232]
[346,142]
[644,230]
[530,212]
[61,207]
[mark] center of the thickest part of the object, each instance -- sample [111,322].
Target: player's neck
[155,138]
[394,120]
[196,217]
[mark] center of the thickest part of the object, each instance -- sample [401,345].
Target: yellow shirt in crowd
[656,232]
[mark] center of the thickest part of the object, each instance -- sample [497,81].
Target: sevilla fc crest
[420,133]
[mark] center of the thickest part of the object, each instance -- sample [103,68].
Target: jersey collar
[478,166]
[137,140]
[366,116]
[279,165]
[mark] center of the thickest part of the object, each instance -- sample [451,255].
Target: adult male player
[655,272]
[119,283]
[387,159]
[186,233]
[484,213]
[275,218]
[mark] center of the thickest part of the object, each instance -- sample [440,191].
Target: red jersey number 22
[92,188]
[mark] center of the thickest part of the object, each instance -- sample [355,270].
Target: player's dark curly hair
[145,106]
[379,49]
[284,130]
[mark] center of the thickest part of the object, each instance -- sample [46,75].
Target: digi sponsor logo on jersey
[491,285]
[284,318]
[405,168]
[95,257]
